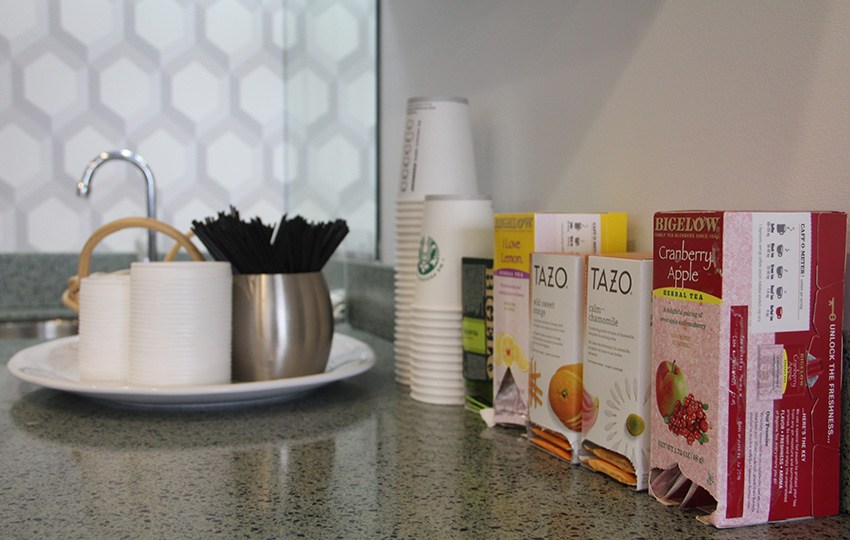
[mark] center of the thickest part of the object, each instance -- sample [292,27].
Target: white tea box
[556,395]
[617,366]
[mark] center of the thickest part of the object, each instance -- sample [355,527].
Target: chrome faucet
[84,185]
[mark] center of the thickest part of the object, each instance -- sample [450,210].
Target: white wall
[638,106]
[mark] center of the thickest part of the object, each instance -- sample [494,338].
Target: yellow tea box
[517,236]
[555,390]
[617,366]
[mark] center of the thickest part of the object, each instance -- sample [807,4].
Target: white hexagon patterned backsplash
[266,105]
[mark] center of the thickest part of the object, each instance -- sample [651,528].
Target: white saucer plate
[53,364]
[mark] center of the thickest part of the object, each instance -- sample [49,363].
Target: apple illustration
[670,387]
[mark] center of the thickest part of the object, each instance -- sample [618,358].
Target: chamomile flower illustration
[623,421]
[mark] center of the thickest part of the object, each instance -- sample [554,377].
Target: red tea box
[747,314]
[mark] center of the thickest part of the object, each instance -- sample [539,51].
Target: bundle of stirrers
[294,246]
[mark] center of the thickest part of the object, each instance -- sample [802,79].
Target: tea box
[746,386]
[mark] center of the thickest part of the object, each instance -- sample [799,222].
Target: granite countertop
[354,459]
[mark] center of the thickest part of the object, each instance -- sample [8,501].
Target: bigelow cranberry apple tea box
[617,367]
[517,236]
[555,392]
[747,314]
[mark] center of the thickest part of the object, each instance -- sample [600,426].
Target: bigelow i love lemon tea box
[617,367]
[747,314]
[517,236]
[555,393]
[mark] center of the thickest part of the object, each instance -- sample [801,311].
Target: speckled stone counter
[355,459]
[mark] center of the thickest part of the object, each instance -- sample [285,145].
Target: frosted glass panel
[266,105]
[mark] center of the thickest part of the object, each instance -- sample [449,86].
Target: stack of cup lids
[180,323]
[437,158]
[104,355]
[158,324]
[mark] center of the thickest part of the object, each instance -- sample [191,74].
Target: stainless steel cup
[282,325]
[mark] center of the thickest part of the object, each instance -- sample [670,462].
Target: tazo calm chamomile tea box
[747,314]
[617,366]
[516,237]
[557,403]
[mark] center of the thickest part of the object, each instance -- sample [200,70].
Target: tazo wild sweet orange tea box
[747,314]
[617,366]
[516,237]
[557,402]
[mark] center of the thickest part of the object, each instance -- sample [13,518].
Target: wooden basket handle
[71,296]
[172,253]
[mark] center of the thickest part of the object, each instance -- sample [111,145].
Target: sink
[40,329]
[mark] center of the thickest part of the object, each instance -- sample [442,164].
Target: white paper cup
[402,363]
[432,399]
[437,150]
[436,369]
[408,220]
[434,324]
[435,338]
[436,379]
[436,395]
[447,334]
[442,318]
[437,325]
[435,360]
[437,311]
[403,296]
[454,373]
[412,229]
[410,217]
[454,227]
[406,267]
[407,257]
[436,386]
[417,346]
[402,378]
[410,205]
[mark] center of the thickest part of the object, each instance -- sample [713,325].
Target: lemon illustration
[508,352]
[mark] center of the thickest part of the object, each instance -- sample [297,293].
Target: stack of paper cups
[104,355]
[437,158]
[408,230]
[180,323]
[454,226]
